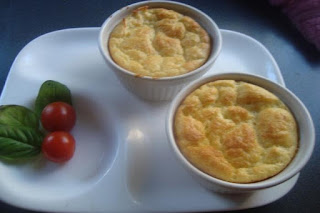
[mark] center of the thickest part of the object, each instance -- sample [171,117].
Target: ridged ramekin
[164,88]
[300,112]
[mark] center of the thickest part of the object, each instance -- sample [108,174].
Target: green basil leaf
[51,91]
[12,150]
[20,136]
[15,115]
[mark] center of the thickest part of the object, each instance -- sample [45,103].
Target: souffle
[236,131]
[158,42]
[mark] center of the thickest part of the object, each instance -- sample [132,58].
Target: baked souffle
[158,42]
[236,131]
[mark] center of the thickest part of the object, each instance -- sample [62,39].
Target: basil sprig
[20,136]
[20,133]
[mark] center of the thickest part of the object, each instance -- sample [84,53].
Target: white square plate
[122,160]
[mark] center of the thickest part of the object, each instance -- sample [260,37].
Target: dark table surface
[299,61]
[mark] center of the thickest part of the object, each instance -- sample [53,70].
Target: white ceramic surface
[165,88]
[300,112]
[122,161]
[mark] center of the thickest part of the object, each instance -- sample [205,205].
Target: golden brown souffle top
[236,131]
[159,43]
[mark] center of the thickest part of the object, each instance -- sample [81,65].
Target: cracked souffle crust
[236,131]
[157,42]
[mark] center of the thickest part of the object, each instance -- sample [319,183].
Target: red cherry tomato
[58,116]
[58,146]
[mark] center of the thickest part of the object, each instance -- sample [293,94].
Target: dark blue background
[22,21]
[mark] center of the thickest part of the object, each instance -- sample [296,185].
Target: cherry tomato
[58,146]
[58,116]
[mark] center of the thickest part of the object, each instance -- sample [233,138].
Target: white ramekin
[300,112]
[165,88]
